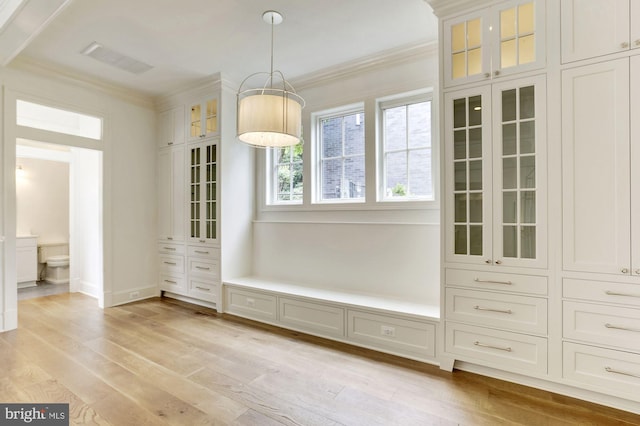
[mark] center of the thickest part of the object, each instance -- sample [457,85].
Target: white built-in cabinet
[188,204]
[495,150]
[592,28]
[171,127]
[600,223]
[494,42]
[171,193]
[203,119]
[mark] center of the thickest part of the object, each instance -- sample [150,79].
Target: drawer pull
[169,263]
[170,282]
[203,288]
[478,280]
[502,311]
[202,252]
[169,238]
[613,293]
[624,373]
[617,327]
[170,248]
[484,345]
[203,268]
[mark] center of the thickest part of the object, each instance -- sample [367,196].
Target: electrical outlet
[134,294]
[251,302]
[385,330]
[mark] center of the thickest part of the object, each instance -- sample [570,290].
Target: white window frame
[272,180]
[381,175]
[317,118]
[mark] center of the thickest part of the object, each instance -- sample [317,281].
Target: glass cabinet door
[203,119]
[203,185]
[502,40]
[468,152]
[519,176]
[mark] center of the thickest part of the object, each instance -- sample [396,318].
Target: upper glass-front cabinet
[502,40]
[202,117]
[495,150]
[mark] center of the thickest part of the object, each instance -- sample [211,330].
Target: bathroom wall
[42,199]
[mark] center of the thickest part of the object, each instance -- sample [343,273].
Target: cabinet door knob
[487,75]
[488,261]
[624,45]
[496,73]
[637,42]
[624,270]
[498,262]
[637,271]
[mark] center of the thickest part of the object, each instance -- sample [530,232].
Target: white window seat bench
[392,326]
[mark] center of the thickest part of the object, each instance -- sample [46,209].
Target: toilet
[55,260]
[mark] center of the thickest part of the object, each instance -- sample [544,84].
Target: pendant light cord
[271,73]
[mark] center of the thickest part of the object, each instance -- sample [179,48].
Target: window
[286,175]
[340,144]
[406,150]
[58,120]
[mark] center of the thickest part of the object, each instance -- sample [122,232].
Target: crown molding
[65,75]
[442,8]
[379,60]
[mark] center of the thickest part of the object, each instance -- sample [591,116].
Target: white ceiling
[188,40]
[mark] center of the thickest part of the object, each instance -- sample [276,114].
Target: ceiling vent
[115,59]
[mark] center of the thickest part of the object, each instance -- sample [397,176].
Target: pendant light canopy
[271,115]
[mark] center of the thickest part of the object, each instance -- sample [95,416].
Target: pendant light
[271,115]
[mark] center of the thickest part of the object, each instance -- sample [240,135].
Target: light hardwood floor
[165,362]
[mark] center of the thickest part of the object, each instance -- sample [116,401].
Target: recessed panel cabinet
[171,194]
[171,123]
[494,42]
[495,151]
[592,28]
[601,214]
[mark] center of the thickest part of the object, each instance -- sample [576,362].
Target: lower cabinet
[599,369]
[497,319]
[319,318]
[190,271]
[510,351]
[394,333]
[601,333]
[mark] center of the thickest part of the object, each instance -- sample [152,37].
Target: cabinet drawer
[204,290]
[497,281]
[391,334]
[203,252]
[602,325]
[168,248]
[500,349]
[317,318]
[252,304]
[598,369]
[204,268]
[517,313]
[601,291]
[171,264]
[172,283]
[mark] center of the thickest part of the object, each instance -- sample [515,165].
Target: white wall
[42,200]
[86,233]
[390,250]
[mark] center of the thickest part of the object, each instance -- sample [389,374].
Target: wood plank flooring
[161,361]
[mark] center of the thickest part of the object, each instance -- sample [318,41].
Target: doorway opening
[59,202]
